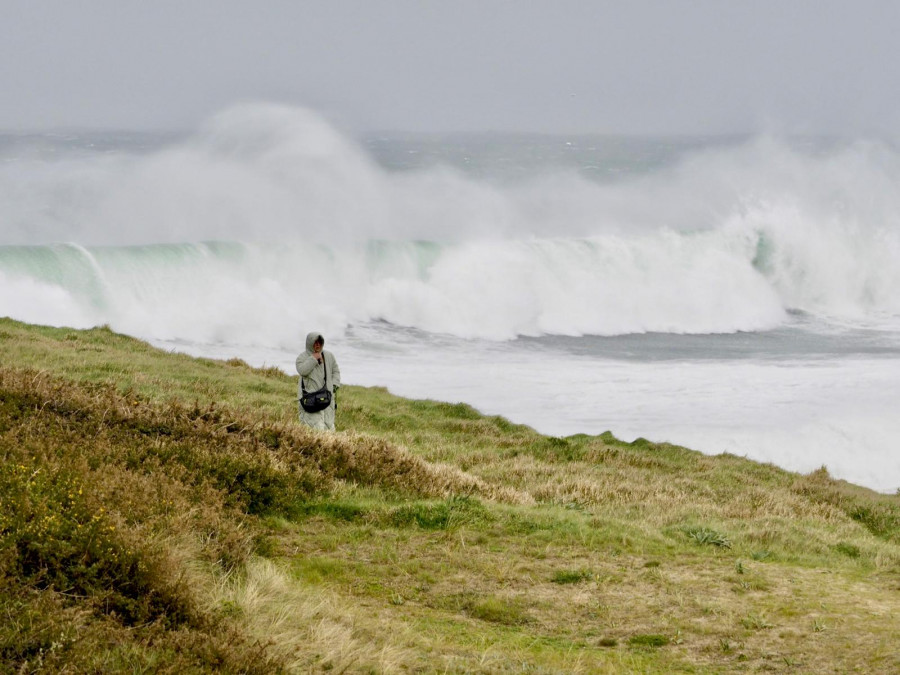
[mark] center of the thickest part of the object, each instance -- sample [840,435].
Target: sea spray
[728,238]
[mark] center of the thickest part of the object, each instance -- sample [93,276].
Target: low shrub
[53,535]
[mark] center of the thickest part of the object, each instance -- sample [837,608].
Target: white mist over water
[268,223]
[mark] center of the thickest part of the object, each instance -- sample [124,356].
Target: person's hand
[317,356]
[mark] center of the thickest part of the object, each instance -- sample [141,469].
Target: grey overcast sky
[626,66]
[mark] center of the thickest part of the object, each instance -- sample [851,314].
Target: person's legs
[328,417]
[315,420]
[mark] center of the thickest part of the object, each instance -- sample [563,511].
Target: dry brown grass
[166,491]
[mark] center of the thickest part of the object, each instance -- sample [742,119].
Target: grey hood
[311,341]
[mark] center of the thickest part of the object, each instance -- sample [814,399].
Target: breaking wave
[269,219]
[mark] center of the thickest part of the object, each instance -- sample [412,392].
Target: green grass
[168,514]
[571,576]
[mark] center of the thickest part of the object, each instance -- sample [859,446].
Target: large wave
[315,232]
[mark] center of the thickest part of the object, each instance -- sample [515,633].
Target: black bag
[315,401]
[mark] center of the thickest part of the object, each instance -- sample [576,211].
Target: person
[317,367]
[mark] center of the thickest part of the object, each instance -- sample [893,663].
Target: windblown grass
[167,514]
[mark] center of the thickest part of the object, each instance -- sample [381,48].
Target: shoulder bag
[316,401]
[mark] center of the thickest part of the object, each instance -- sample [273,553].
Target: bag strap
[303,389]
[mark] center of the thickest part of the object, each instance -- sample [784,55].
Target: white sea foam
[668,282]
[41,303]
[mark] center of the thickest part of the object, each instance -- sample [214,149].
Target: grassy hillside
[160,513]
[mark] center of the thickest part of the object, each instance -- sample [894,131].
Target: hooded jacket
[312,373]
